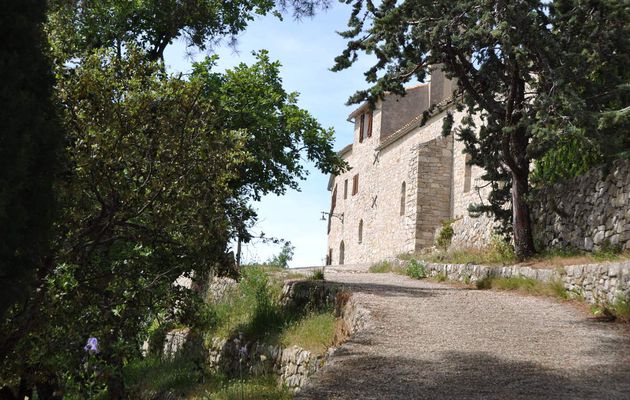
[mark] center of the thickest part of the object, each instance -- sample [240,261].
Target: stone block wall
[434,160]
[587,212]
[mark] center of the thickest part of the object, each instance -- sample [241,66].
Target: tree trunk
[521,221]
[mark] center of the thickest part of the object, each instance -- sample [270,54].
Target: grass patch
[181,378]
[252,388]
[253,309]
[440,277]
[501,253]
[381,267]
[387,266]
[523,284]
[146,377]
[315,332]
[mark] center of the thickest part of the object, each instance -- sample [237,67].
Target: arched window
[403,196]
[361,231]
[341,252]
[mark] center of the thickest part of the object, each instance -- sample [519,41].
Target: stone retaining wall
[588,212]
[596,283]
[292,365]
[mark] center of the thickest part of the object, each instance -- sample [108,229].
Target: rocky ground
[427,340]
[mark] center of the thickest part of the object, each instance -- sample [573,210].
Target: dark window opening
[361,231]
[361,127]
[355,184]
[403,196]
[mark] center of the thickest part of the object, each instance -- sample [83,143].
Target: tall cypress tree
[29,143]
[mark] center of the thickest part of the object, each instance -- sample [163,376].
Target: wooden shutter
[369,127]
[355,184]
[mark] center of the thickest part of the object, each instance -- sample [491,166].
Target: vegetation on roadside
[253,309]
[500,252]
[413,269]
[183,377]
[523,284]
[416,270]
[618,310]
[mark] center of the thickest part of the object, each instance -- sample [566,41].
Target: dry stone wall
[596,283]
[589,212]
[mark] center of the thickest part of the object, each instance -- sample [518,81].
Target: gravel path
[432,341]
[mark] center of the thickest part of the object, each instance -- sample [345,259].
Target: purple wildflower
[91,346]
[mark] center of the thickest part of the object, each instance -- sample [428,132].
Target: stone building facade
[405,177]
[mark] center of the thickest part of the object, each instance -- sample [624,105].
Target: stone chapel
[405,178]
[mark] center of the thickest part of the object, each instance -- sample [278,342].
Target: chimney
[441,87]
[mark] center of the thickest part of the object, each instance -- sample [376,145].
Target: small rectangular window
[467,173]
[345,189]
[355,184]
[369,126]
[334,200]
[361,128]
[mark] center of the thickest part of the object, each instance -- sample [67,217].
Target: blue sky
[306,50]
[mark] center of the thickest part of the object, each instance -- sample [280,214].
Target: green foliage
[30,144]
[77,27]
[441,277]
[416,270]
[159,173]
[282,259]
[318,275]
[253,309]
[445,236]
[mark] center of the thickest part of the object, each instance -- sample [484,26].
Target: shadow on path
[459,375]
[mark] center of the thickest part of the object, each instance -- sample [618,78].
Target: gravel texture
[427,340]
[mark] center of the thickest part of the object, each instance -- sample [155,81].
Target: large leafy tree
[159,172]
[514,62]
[30,138]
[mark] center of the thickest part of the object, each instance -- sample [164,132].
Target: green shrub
[621,308]
[445,236]
[416,270]
[318,275]
[484,283]
[440,277]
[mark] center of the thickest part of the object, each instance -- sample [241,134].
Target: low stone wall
[587,212]
[596,283]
